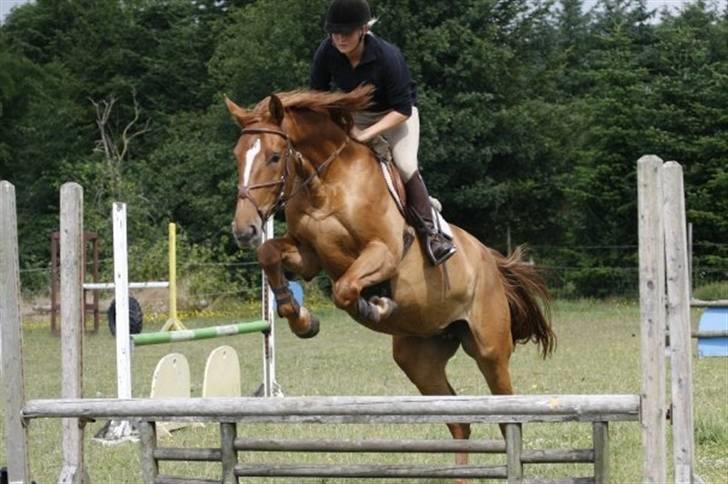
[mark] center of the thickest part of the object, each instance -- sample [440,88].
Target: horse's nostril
[253,230]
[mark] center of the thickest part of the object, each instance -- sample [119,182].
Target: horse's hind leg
[488,341]
[424,360]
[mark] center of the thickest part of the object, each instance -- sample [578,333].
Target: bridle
[244,191]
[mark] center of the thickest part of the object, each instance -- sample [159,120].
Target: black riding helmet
[345,16]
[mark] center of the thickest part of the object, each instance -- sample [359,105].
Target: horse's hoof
[384,305]
[313,327]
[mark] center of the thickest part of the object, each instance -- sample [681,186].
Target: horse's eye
[275,158]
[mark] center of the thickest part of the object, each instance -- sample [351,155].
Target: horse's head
[316,122]
[262,153]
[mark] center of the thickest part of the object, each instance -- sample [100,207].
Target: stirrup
[436,261]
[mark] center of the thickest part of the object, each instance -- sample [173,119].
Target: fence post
[228,433]
[514,447]
[11,340]
[72,325]
[148,437]
[600,439]
[678,321]
[652,317]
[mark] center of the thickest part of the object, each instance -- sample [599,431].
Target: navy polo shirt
[382,64]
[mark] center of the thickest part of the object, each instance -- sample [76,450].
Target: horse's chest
[327,236]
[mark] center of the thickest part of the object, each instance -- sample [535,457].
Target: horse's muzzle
[249,236]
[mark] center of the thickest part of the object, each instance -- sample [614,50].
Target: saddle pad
[394,184]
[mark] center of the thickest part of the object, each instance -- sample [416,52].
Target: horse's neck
[328,174]
[353,165]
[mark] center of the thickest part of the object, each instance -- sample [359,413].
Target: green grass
[598,352]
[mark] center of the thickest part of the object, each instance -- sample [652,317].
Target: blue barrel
[714,320]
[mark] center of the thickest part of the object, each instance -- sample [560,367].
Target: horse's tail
[529,301]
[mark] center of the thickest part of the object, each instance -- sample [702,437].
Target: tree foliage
[533,113]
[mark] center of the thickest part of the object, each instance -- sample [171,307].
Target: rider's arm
[398,89]
[392,119]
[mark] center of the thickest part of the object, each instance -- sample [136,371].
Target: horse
[295,153]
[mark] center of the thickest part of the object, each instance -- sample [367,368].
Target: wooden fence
[664,297]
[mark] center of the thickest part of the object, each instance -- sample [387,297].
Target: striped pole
[145,339]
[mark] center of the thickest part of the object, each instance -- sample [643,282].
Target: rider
[351,56]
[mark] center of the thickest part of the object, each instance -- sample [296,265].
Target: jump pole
[269,387]
[161,337]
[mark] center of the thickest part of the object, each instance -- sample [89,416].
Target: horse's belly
[430,298]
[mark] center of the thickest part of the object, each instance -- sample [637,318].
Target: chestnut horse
[294,152]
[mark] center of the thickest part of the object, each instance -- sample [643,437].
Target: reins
[282,199]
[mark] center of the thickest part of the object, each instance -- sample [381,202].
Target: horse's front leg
[281,253]
[375,264]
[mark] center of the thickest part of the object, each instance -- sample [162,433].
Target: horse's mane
[322,101]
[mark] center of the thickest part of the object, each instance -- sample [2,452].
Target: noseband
[281,200]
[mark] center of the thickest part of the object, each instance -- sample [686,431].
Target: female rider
[351,56]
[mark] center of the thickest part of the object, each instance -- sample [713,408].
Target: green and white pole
[145,339]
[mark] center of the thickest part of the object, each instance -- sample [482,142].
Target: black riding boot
[437,245]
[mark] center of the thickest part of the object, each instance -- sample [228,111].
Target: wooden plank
[718,303]
[370,471]
[678,321]
[652,317]
[565,480]
[371,445]
[709,334]
[228,432]
[197,454]
[557,456]
[404,409]
[165,479]
[11,340]
[600,436]
[514,447]
[72,323]
[148,437]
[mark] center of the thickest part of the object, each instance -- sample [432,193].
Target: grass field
[598,352]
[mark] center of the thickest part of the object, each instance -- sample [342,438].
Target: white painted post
[11,340]
[678,321]
[116,430]
[270,385]
[121,294]
[652,316]
[72,326]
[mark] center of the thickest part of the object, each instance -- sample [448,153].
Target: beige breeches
[404,139]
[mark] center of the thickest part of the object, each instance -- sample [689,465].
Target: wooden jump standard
[664,302]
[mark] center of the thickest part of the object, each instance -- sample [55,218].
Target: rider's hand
[360,135]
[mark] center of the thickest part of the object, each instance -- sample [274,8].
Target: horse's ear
[239,114]
[275,106]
